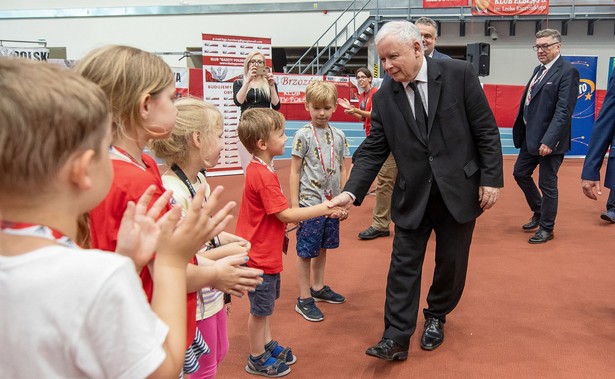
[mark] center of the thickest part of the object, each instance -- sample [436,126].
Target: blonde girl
[194,145]
[257,89]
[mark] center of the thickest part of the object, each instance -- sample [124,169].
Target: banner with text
[584,112]
[509,7]
[444,3]
[223,57]
[34,53]
[181,81]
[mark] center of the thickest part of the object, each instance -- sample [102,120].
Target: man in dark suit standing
[429,33]
[449,161]
[603,136]
[542,131]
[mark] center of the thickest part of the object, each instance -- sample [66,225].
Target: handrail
[337,35]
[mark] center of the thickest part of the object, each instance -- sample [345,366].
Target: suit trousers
[384,190]
[610,202]
[404,279]
[544,202]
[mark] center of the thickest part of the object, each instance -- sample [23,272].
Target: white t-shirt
[70,313]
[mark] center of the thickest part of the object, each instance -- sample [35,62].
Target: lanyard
[269,167]
[328,192]
[124,156]
[36,230]
[182,176]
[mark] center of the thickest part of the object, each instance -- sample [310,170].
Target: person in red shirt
[263,215]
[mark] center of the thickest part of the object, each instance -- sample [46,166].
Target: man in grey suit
[542,131]
[429,33]
[449,161]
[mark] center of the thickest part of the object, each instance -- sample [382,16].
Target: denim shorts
[317,233]
[262,300]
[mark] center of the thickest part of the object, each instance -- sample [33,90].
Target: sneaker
[371,233]
[285,354]
[328,295]
[267,365]
[308,309]
[608,216]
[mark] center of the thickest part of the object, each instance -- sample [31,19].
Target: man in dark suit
[429,33]
[449,161]
[542,131]
[603,136]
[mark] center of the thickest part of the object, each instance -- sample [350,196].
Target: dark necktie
[537,78]
[419,109]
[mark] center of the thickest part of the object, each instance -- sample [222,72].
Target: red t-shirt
[365,104]
[129,183]
[262,198]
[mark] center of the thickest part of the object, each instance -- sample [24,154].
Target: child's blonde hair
[47,113]
[126,74]
[257,124]
[319,93]
[193,115]
[260,83]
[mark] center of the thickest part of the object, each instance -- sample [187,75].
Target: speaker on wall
[478,55]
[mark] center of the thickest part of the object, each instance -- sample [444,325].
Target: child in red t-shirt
[140,88]
[262,219]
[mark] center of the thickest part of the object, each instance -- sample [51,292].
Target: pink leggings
[214,333]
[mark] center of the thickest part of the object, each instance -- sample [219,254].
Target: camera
[262,71]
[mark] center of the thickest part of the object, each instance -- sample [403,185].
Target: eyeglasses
[256,62]
[361,77]
[544,47]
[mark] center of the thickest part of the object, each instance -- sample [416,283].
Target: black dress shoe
[388,350]
[433,334]
[532,224]
[541,236]
[371,233]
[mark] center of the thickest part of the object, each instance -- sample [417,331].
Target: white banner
[34,53]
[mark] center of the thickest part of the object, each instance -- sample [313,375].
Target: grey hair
[404,31]
[427,21]
[549,33]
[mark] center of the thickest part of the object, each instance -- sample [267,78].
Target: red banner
[444,3]
[509,7]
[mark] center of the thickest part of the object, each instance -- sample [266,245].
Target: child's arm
[175,247]
[343,173]
[299,214]
[224,274]
[224,251]
[295,175]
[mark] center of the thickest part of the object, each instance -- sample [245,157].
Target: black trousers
[404,279]
[544,202]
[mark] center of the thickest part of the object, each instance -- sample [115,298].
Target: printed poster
[584,112]
[223,57]
[181,81]
[34,53]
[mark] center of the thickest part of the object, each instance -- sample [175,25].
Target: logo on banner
[36,54]
[587,88]
[509,7]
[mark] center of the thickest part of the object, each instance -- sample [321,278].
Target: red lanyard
[36,230]
[328,174]
[123,155]
[269,167]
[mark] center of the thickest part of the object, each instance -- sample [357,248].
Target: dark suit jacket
[603,135]
[439,55]
[549,115]
[461,152]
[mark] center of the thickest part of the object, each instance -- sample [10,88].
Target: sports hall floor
[528,311]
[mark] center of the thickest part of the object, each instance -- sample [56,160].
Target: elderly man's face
[402,61]
[429,35]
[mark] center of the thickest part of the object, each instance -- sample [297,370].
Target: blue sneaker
[285,354]
[608,216]
[328,295]
[266,365]
[308,309]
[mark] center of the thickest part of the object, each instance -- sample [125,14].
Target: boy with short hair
[76,308]
[317,174]
[262,219]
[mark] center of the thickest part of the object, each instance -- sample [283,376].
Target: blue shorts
[317,233]
[262,300]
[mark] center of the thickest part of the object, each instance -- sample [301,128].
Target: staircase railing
[322,52]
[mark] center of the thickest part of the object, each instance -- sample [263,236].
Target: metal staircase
[328,58]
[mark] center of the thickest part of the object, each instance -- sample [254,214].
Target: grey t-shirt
[313,182]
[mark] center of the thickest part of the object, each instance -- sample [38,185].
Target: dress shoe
[433,334]
[371,233]
[388,350]
[532,224]
[541,236]
[608,216]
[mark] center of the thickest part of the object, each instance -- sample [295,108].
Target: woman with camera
[257,89]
